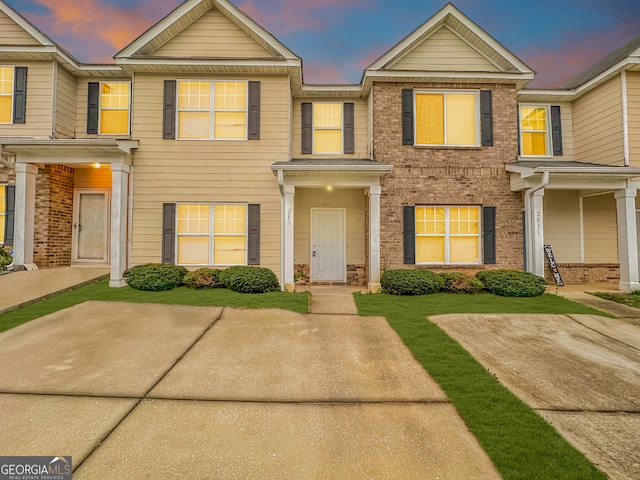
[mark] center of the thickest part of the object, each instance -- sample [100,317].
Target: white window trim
[476,93]
[447,235]
[211,110]
[12,94]
[101,108]
[313,136]
[211,235]
[549,146]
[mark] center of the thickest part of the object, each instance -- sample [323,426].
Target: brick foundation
[576,273]
[356,276]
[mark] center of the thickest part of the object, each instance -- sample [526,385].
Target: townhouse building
[202,146]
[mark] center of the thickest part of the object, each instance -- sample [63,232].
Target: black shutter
[519,130]
[407,116]
[307,127]
[489,234]
[9,213]
[409,233]
[169,110]
[169,233]
[254,111]
[556,130]
[348,120]
[486,118]
[20,95]
[253,257]
[93,102]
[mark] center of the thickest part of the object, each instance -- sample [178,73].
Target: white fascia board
[245,62]
[455,75]
[525,171]
[604,76]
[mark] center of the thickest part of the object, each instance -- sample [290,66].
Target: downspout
[530,218]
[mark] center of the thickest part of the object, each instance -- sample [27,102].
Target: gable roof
[494,62]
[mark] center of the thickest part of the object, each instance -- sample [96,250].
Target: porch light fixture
[329,188]
[96,165]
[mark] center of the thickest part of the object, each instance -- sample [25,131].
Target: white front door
[328,245]
[91,226]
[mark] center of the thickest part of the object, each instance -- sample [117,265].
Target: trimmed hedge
[5,258]
[410,282]
[154,276]
[203,278]
[455,282]
[249,279]
[512,283]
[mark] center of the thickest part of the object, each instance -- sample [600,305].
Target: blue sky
[337,39]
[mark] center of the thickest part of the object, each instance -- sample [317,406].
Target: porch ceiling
[570,175]
[70,151]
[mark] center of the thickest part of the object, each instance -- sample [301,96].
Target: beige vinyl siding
[566,116]
[597,125]
[65,104]
[93,177]
[633,102]
[562,224]
[213,35]
[444,51]
[351,200]
[600,229]
[13,34]
[360,108]
[39,102]
[82,97]
[169,171]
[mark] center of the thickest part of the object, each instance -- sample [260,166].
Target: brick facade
[576,273]
[447,176]
[356,276]
[53,216]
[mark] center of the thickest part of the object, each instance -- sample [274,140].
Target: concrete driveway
[580,372]
[158,391]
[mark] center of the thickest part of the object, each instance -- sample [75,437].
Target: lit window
[114,108]
[327,128]
[534,131]
[3,211]
[447,234]
[446,118]
[6,94]
[212,234]
[212,110]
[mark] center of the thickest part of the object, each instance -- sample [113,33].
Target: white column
[25,213]
[374,238]
[537,234]
[288,193]
[119,209]
[627,238]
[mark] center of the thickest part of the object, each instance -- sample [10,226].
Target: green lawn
[624,298]
[518,441]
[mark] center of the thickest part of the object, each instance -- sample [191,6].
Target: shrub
[203,278]
[455,282]
[154,276]
[249,279]
[5,258]
[512,283]
[410,282]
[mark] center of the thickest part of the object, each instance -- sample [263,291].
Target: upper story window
[451,118]
[6,94]
[328,128]
[540,130]
[446,118]
[13,94]
[108,108]
[211,110]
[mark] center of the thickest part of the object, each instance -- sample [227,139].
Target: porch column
[374,238]
[535,233]
[627,238]
[119,207]
[288,193]
[25,213]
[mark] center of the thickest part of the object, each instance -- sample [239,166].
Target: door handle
[314,253]
[78,226]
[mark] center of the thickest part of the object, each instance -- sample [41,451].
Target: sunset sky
[337,39]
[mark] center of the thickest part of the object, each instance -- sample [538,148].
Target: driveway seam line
[586,410]
[140,399]
[603,334]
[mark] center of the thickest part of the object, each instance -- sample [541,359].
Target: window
[114,108]
[447,234]
[327,128]
[212,110]
[534,131]
[6,94]
[212,234]
[3,212]
[446,118]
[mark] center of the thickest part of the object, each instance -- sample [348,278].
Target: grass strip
[628,299]
[296,302]
[520,443]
